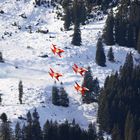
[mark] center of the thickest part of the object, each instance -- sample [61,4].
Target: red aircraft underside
[56,50]
[80,89]
[55,74]
[79,70]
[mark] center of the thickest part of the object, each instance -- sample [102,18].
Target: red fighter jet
[56,50]
[55,74]
[80,88]
[79,70]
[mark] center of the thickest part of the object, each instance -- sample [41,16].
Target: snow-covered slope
[22,50]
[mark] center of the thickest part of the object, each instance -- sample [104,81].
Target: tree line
[31,130]
[123,28]
[119,103]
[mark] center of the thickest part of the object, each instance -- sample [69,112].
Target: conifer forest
[69,69]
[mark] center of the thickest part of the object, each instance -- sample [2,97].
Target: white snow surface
[22,51]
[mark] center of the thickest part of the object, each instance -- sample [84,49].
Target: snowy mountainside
[22,50]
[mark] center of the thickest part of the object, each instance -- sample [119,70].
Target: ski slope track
[22,50]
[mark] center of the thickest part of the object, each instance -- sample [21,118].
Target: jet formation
[76,69]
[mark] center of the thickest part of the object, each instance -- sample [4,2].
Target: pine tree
[55,95]
[88,82]
[121,16]
[109,29]
[5,129]
[67,18]
[122,37]
[92,132]
[50,131]
[73,122]
[63,131]
[20,88]
[76,12]
[72,130]
[104,110]
[46,130]
[100,55]
[64,101]
[134,20]
[83,12]
[121,26]
[138,42]
[3,117]
[100,135]
[130,133]
[117,29]
[67,14]
[28,129]
[0,100]
[36,129]
[1,58]
[130,37]
[29,118]
[18,132]
[23,130]
[76,40]
[129,61]
[96,87]
[55,128]
[128,66]
[127,126]
[138,134]
[116,134]
[110,55]
[79,12]
[75,132]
